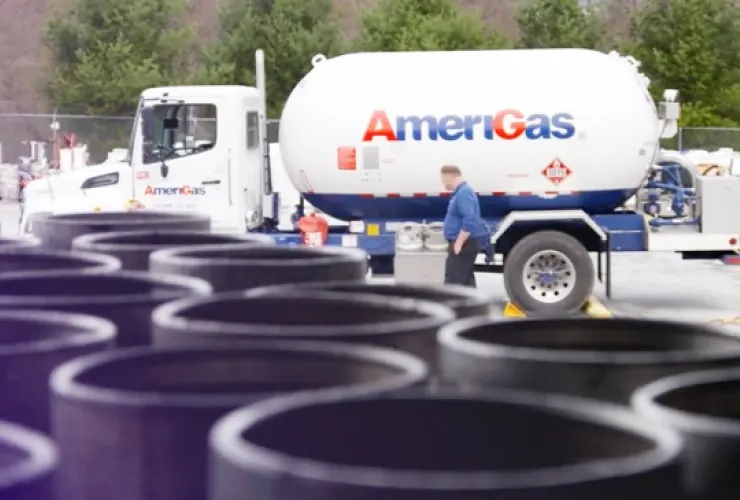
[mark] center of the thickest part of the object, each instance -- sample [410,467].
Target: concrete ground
[644,285]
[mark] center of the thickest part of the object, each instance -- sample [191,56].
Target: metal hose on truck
[59,231]
[238,267]
[704,407]
[32,344]
[27,465]
[466,302]
[595,358]
[126,298]
[233,319]
[479,445]
[133,248]
[21,261]
[133,424]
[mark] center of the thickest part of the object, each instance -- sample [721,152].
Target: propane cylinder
[704,407]
[58,231]
[133,248]
[605,359]
[233,319]
[521,145]
[442,445]
[19,261]
[120,410]
[127,298]
[29,460]
[466,302]
[410,237]
[434,237]
[32,344]
[238,267]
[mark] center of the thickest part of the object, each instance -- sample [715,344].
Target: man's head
[451,177]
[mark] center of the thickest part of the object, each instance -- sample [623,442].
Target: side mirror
[148,133]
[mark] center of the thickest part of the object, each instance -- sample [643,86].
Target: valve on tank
[314,230]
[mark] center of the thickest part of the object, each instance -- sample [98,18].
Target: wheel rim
[549,276]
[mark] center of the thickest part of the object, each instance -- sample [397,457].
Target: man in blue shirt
[464,229]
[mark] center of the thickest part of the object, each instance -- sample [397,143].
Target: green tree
[693,46]
[290,32]
[104,53]
[557,24]
[398,25]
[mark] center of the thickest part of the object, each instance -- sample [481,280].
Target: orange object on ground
[314,230]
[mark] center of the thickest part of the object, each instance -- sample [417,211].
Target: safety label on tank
[556,172]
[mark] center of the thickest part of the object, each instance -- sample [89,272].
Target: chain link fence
[101,134]
[708,138]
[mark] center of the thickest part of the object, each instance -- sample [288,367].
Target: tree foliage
[399,25]
[104,52]
[290,32]
[557,24]
[692,46]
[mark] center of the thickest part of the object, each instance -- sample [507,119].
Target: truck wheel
[549,273]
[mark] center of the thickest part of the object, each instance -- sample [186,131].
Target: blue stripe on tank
[356,207]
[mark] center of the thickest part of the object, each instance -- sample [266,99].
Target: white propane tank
[364,135]
[410,237]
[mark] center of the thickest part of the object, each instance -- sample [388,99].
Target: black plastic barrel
[236,267]
[599,358]
[58,231]
[133,424]
[133,248]
[465,301]
[17,261]
[18,243]
[233,318]
[32,344]
[502,445]
[127,298]
[704,407]
[27,464]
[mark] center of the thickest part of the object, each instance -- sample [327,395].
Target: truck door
[183,165]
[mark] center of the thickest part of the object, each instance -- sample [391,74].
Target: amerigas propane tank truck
[554,141]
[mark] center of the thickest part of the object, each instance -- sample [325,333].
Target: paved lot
[657,285]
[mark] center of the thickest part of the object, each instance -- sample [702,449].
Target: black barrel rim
[41,455]
[452,296]
[99,263]
[102,242]
[92,219]
[92,329]
[644,400]
[434,316]
[225,438]
[411,370]
[199,256]
[451,337]
[177,287]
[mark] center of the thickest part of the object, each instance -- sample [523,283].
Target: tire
[568,247]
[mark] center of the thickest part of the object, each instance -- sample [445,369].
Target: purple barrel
[127,298]
[704,407]
[597,358]
[32,344]
[28,461]
[234,318]
[19,261]
[441,445]
[133,248]
[237,267]
[6,243]
[58,231]
[465,301]
[133,424]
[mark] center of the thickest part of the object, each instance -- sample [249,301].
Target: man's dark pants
[459,268]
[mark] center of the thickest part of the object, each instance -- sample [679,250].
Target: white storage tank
[364,135]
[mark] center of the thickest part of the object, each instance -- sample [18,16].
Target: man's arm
[466,208]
